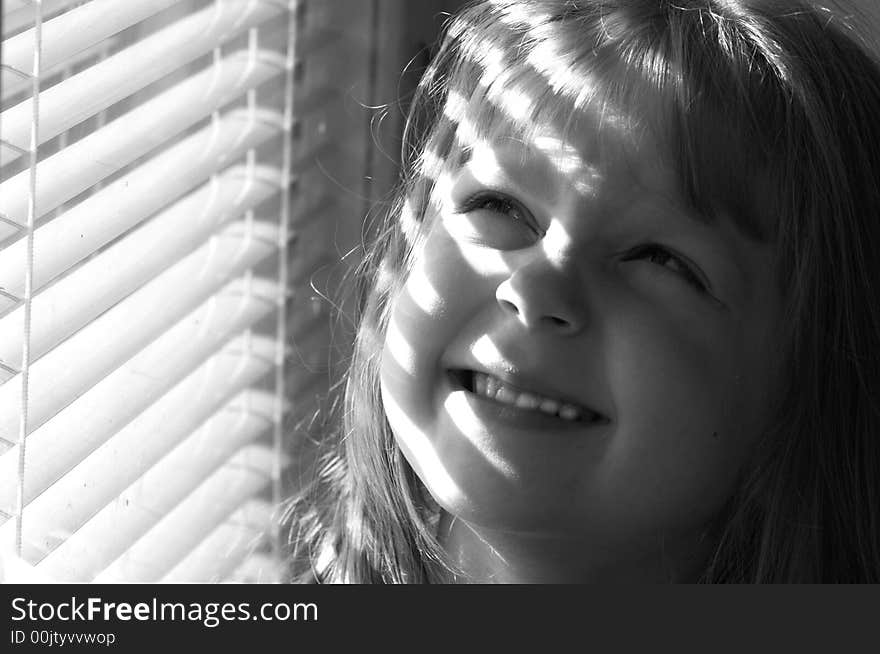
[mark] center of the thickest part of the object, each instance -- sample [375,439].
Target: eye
[501,204]
[675,263]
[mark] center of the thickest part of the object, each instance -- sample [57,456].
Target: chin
[500,511]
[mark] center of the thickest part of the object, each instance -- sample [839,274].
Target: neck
[490,556]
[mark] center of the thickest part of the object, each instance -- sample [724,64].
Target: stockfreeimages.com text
[209,614]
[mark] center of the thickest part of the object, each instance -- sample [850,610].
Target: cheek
[685,422]
[442,292]
[665,369]
[440,305]
[432,309]
[426,309]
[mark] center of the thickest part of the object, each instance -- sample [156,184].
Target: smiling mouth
[494,389]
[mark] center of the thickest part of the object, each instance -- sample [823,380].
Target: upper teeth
[494,388]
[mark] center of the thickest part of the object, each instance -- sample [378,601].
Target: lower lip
[490,411]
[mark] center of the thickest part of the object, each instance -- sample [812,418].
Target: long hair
[769,115]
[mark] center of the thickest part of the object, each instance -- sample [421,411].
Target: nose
[542,297]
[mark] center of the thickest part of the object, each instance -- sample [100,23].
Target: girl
[623,323]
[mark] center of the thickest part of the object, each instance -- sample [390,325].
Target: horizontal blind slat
[79,362]
[223,550]
[128,200]
[98,284]
[85,94]
[72,32]
[117,526]
[98,155]
[23,85]
[18,14]
[183,527]
[111,468]
[75,432]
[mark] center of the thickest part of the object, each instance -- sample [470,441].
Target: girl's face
[575,352]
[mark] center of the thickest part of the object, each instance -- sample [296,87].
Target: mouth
[496,390]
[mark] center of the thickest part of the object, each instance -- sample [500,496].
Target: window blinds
[146,151]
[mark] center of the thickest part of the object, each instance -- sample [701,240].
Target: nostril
[557,322]
[509,306]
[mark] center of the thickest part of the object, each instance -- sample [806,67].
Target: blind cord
[283,240]
[29,270]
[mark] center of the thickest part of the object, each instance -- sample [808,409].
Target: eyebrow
[523,165]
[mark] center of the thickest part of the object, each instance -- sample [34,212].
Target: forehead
[553,137]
